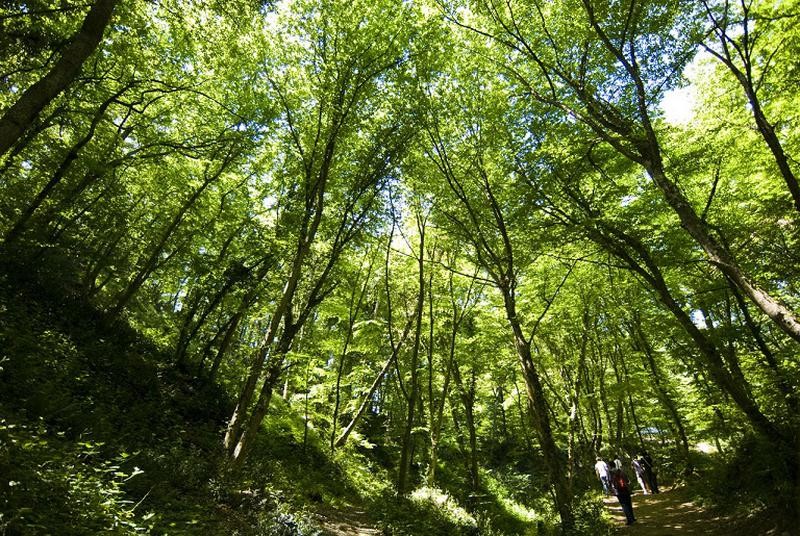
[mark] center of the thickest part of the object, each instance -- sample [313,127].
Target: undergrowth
[101,434]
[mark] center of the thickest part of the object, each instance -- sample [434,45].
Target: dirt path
[669,512]
[346,522]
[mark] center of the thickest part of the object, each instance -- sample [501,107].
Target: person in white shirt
[602,470]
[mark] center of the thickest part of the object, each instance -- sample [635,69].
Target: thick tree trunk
[17,119]
[719,257]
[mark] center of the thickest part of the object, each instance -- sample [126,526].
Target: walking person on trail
[650,474]
[602,470]
[618,462]
[621,488]
[638,469]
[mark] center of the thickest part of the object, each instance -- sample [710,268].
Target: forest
[399,267]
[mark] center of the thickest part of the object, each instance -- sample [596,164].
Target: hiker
[650,474]
[621,487]
[602,470]
[638,469]
[618,462]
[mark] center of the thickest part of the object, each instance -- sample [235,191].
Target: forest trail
[669,512]
[350,522]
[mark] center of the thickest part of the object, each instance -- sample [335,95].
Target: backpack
[618,481]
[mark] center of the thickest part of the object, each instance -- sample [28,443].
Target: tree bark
[19,118]
[718,255]
[467,397]
[356,300]
[711,357]
[405,453]
[742,46]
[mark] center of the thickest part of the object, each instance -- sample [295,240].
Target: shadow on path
[669,512]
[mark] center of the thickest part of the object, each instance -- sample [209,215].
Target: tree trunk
[19,226]
[711,358]
[540,416]
[405,453]
[663,394]
[154,260]
[356,300]
[720,258]
[17,119]
[367,398]
[467,396]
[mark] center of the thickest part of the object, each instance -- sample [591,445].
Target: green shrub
[58,487]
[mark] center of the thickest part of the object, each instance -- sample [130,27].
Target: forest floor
[352,522]
[673,512]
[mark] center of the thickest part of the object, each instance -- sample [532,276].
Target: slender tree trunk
[405,453]
[436,410]
[356,300]
[467,396]
[19,226]
[462,447]
[784,384]
[642,146]
[221,329]
[395,347]
[744,76]
[368,396]
[247,301]
[539,413]
[626,376]
[711,358]
[247,391]
[663,394]
[189,331]
[154,260]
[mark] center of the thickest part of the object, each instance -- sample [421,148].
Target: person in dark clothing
[650,474]
[621,488]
